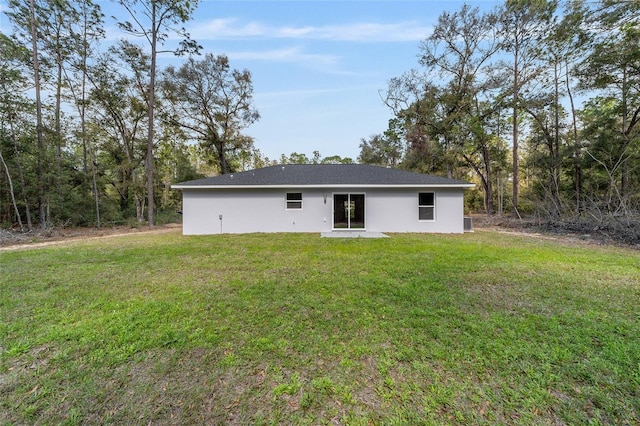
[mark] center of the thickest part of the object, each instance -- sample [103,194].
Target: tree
[89,31]
[483,150]
[13,107]
[547,131]
[59,45]
[296,158]
[336,159]
[413,100]
[173,165]
[447,111]
[612,68]
[524,24]
[553,128]
[151,20]
[569,41]
[118,106]
[26,19]
[9,79]
[460,51]
[383,150]
[214,103]
[56,31]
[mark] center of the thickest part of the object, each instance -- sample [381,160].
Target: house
[322,198]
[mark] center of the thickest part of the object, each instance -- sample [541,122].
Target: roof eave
[336,186]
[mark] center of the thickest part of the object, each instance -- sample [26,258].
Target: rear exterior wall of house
[215,211]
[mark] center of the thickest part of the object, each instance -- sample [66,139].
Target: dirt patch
[572,231]
[15,240]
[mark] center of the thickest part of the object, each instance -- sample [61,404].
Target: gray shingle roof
[299,175]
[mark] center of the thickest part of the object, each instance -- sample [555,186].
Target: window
[426,206]
[294,200]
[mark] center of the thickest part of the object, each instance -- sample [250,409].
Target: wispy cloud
[290,54]
[328,64]
[314,92]
[226,28]
[364,32]
[232,28]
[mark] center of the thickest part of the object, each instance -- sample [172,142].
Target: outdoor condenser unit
[468,224]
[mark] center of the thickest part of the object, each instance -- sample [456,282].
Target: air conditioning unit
[468,224]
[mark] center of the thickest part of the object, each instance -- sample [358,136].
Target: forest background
[538,102]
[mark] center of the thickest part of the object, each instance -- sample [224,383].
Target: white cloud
[292,54]
[301,93]
[333,100]
[369,32]
[226,28]
[230,28]
[328,64]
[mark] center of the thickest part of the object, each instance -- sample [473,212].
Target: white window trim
[433,206]
[287,201]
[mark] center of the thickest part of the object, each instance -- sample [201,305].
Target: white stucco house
[322,198]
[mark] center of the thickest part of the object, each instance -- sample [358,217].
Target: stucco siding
[263,210]
[397,211]
[253,211]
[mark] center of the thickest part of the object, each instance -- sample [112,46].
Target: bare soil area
[602,232]
[568,232]
[13,240]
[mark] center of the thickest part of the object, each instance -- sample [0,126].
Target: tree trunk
[39,126]
[625,139]
[58,133]
[490,206]
[88,151]
[152,98]
[555,158]
[516,167]
[96,195]
[13,197]
[16,152]
[224,169]
[577,173]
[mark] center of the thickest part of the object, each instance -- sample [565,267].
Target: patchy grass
[261,329]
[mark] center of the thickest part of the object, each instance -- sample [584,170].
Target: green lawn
[262,329]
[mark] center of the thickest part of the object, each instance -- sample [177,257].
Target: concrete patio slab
[353,234]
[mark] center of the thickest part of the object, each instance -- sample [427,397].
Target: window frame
[290,203]
[431,206]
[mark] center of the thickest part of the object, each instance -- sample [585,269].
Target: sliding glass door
[348,211]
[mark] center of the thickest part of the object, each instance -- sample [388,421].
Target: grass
[480,328]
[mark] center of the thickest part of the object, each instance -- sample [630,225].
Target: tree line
[93,135]
[538,101]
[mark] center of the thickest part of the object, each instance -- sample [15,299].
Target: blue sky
[317,66]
